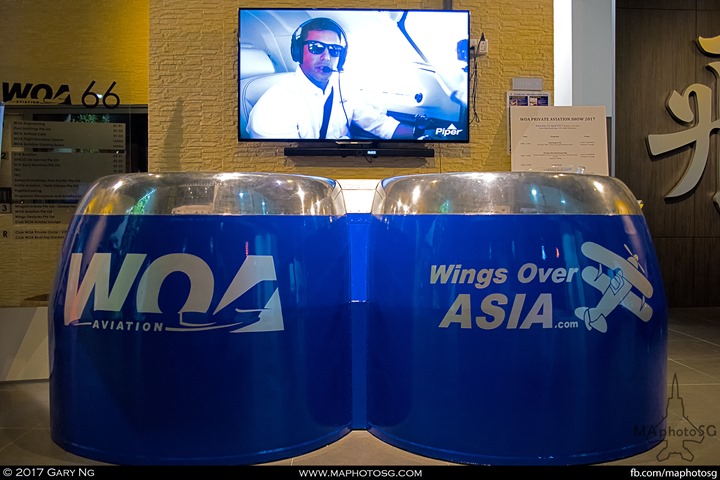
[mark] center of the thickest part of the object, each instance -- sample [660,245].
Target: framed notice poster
[567,139]
[528,99]
[520,98]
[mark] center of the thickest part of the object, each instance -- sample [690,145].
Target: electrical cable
[342,103]
[474,118]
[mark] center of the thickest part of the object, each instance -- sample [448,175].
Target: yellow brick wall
[75,42]
[193,112]
[180,58]
[59,43]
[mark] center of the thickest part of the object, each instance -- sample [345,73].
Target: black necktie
[326,114]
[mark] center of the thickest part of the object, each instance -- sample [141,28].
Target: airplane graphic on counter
[617,286]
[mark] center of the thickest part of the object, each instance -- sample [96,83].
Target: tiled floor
[693,356]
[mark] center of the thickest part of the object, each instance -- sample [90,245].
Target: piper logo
[254,269]
[450,130]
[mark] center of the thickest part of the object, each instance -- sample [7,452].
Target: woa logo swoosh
[254,270]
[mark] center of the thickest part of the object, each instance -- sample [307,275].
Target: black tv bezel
[351,147]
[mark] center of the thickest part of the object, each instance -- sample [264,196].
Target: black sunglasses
[316,48]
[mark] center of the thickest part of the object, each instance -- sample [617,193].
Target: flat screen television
[338,76]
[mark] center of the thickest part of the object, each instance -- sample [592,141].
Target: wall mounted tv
[388,80]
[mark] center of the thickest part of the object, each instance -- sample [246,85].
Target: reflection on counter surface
[213,193]
[526,306]
[504,192]
[202,319]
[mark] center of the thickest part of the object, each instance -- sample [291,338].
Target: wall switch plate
[525,83]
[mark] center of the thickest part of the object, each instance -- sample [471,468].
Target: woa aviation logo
[197,312]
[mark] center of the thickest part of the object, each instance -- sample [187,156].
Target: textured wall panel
[193,89]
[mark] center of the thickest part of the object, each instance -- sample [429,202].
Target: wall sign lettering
[680,107]
[45,94]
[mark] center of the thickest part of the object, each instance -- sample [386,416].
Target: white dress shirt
[293,108]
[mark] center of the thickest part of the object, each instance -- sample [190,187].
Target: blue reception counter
[484,318]
[514,319]
[202,319]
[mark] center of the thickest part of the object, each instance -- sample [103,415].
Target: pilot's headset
[320,23]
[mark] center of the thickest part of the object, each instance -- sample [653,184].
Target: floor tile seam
[696,357]
[694,369]
[695,338]
[716,384]
[13,442]
[710,318]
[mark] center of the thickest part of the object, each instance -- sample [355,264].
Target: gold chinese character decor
[702,126]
